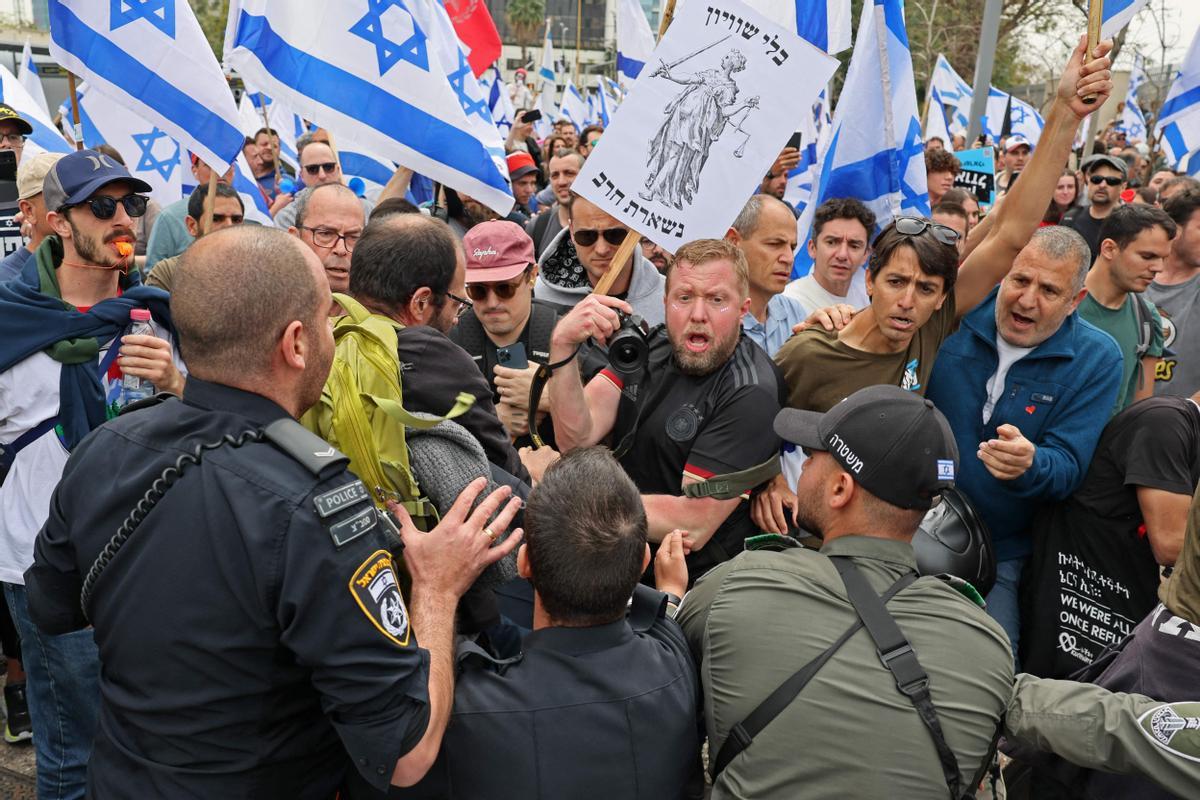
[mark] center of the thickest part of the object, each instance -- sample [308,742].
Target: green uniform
[1097,729]
[1121,324]
[753,621]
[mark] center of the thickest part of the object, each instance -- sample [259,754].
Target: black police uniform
[251,631]
[601,712]
[670,423]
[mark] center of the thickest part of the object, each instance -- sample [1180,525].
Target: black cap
[894,443]
[10,114]
[79,174]
[1105,160]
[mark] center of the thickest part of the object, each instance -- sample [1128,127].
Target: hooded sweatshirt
[562,281]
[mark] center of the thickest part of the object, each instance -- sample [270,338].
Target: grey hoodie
[562,280]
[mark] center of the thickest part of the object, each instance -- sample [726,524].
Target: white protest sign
[715,105]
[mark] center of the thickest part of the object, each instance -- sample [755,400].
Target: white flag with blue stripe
[45,136]
[936,123]
[953,91]
[547,87]
[815,133]
[1117,14]
[373,170]
[28,75]
[823,23]
[500,104]
[882,163]
[1179,118]
[392,74]
[1133,121]
[254,203]
[607,101]
[635,41]
[574,108]
[152,58]
[149,153]
[286,123]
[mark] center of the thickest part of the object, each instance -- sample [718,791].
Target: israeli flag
[149,153]
[1117,14]
[401,87]
[1024,119]
[499,103]
[286,123]
[45,136]
[815,132]
[27,74]
[824,23]
[254,202]
[1133,121]
[152,58]
[547,87]
[371,169]
[605,103]
[635,40]
[574,108]
[953,91]
[1179,118]
[936,123]
[883,163]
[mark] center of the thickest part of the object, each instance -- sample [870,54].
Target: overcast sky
[1185,18]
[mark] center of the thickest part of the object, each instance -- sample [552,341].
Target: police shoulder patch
[377,592]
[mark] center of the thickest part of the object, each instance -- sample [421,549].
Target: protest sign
[978,174]
[715,105]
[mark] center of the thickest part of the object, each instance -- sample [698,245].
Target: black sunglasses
[915,226]
[104,207]
[315,169]
[504,291]
[587,238]
[1096,180]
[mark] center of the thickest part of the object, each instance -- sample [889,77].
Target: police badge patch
[377,592]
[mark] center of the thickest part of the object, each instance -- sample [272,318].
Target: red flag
[474,26]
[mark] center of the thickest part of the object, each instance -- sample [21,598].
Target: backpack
[361,410]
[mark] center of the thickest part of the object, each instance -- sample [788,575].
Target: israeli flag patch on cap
[945,469]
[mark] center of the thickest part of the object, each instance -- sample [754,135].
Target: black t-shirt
[699,426]
[1093,575]
[1082,221]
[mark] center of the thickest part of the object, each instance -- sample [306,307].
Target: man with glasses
[227,210]
[62,359]
[507,332]
[579,256]
[329,219]
[170,236]
[1105,177]
[318,166]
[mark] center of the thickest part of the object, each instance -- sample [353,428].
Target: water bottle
[134,388]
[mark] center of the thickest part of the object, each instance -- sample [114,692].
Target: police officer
[252,635]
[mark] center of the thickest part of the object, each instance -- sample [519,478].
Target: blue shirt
[783,313]
[13,263]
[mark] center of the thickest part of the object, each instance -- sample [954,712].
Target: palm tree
[525,19]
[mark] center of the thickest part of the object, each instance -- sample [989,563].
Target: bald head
[237,290]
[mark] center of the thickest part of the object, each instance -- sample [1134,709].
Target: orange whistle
[124,249]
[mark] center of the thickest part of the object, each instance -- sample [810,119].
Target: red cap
[498,250]
[520,164]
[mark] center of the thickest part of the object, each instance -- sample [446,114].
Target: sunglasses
[503,291]
[587,238]
[315,169]
[104,207]
[1096,180]
[915,226]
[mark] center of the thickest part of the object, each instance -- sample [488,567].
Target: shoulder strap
[8,452]
[898,656]
[470,336]
[742,735]
[732,484]
[542,319]
[538,229]
[303,445]
[1145,322]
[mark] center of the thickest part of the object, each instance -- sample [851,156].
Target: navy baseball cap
[78,175]
[893,442]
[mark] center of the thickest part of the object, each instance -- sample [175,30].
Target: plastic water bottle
[134,388]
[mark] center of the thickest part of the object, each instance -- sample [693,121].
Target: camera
[629,348]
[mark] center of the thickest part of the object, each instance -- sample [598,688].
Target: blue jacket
[1059,396]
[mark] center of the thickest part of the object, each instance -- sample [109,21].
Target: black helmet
[952,539]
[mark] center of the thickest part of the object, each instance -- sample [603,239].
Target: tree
[525,18]
[212,14]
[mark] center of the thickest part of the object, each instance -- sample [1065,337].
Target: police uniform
[253,639]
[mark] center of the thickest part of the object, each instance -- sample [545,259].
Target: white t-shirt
[812,295]
[1009,355]
[28,397]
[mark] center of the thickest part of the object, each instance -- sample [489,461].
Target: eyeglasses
[325,237]
[503,291]
[1096,180]
[915,226]
[236,219]
[315,169]
[587,238]
[12,138]
[104,207]
[464,305]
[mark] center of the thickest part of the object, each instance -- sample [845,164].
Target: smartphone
[796,140]
[512,356]
[532,116]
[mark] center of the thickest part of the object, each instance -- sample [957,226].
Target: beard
[93,251]
[701,364]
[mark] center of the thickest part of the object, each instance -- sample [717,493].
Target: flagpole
[1095,20]
[983,68]
[210,200]
[578,34]
[262,103]
[76,127]
[632,237]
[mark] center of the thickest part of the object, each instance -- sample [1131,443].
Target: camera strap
[537,385]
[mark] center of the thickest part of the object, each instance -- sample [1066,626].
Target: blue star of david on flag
[413,49]
[147,161]
[457,82]
[159,13]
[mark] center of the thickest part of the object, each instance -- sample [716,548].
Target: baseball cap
[32,173]
[520,71]
[1015,141]
[520,164]
[78,175]
[894,443]
[7,112]
[1103,159]
[498,250]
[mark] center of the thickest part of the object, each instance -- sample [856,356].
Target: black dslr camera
[629,348]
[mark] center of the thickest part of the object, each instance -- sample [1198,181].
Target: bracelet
[565,361]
